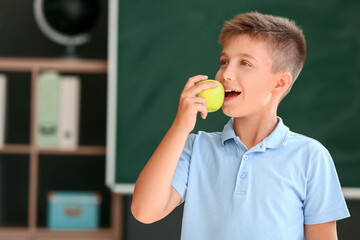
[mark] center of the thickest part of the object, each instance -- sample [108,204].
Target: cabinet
[38,170]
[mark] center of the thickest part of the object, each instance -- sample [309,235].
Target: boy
[256,180]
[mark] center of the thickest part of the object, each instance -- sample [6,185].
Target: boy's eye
[245,63]
[223,62]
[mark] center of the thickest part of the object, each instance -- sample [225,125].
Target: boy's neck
[253,129]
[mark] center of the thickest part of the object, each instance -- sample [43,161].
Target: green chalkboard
[155,46]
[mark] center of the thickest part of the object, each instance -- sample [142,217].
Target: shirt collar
[276,139]
[228,131]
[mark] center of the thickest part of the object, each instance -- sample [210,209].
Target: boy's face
[246,69]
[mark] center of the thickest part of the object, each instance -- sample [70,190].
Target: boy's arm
[154,197]
[323,231]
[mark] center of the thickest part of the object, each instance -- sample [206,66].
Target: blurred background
[21,36]
[161,43]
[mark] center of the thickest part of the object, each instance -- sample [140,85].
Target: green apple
[214,96]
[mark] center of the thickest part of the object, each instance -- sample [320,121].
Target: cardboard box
[73,211]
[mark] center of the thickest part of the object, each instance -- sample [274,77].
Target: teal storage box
[73,211]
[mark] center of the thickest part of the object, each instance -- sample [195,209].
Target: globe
[67,22]
[71,17]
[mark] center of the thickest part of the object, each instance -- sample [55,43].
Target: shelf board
[59,64]
[100,233]
[15,149]
[43,233]
[14,229]
[27,149]
[14,232]
[82,150]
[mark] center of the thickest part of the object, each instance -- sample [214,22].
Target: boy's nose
[227,79]
[228,74]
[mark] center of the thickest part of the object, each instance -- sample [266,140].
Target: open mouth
[229,94]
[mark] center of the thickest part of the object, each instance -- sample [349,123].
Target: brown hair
[285,41]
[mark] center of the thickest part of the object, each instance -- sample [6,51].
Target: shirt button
[246,157]
[243,175]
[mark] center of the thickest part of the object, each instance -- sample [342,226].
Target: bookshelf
[32,230]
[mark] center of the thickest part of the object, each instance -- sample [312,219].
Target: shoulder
[202,138]
[308,147]
[304,141]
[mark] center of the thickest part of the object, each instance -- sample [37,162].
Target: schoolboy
[256,180]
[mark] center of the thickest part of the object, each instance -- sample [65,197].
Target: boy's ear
[282,83]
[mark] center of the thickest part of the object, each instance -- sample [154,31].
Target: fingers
[193,80]
[202,109]
[197,104]
[192,87]
[200,104]
[198,88]
[190,104]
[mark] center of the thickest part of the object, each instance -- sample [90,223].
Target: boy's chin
[233,112]
[230,112]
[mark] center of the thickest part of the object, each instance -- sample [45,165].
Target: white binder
[69,112]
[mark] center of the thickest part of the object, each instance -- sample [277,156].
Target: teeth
[231,91]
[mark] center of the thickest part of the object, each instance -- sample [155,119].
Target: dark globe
[71,17]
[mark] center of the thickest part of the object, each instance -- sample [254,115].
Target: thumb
[203,115]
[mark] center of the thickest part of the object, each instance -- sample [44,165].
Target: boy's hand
[190,104]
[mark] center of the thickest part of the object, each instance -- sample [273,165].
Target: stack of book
[2,108]
[58,105]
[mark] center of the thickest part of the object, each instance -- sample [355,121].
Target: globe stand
[70,52]
[67,22]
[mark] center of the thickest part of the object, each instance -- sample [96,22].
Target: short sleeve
[181,174]
[324,199]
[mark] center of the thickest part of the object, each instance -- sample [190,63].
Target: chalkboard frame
[123,188]
[350,192]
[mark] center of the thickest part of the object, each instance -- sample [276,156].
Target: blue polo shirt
[267,192]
